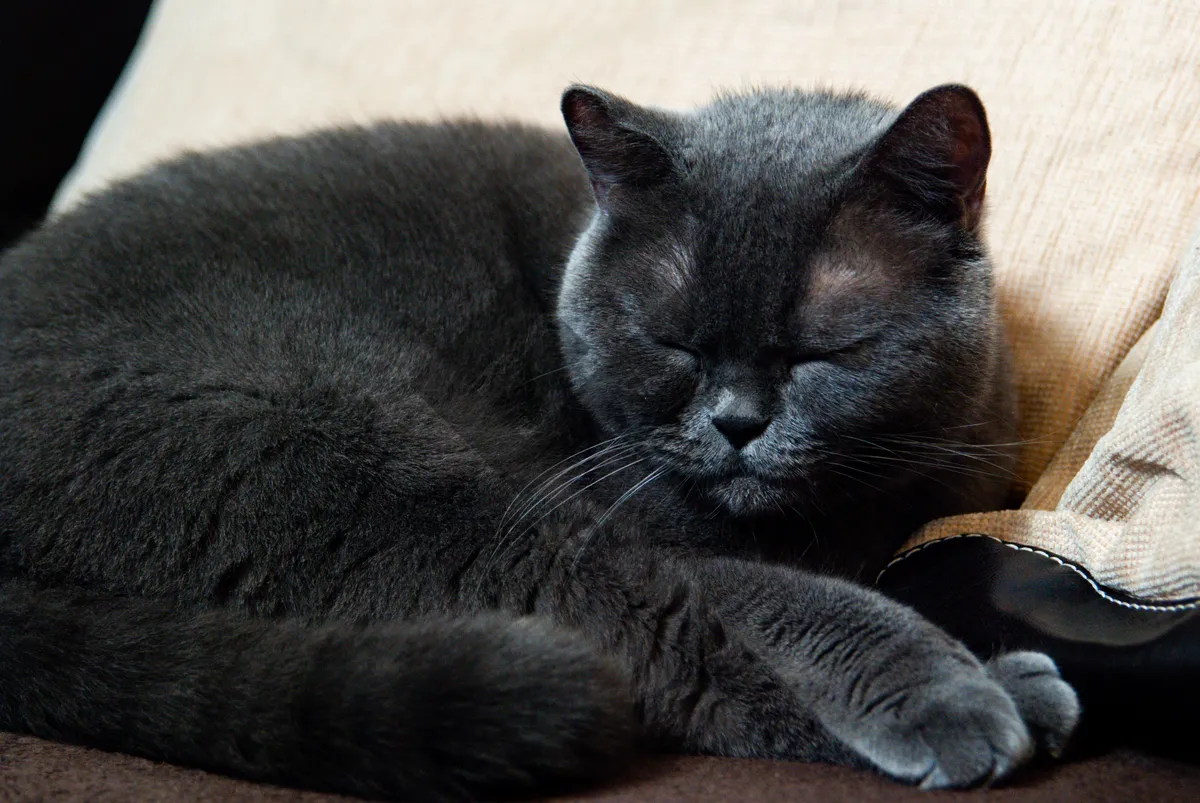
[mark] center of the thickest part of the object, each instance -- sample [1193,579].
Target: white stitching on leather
[1156,608]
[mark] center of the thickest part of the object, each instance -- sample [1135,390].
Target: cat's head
[777,277]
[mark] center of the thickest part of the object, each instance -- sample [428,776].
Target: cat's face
[777,280]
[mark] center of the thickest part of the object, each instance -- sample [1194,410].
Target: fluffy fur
[443,460]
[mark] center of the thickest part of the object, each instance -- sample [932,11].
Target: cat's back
[364,247]
[363,209]
[332,299]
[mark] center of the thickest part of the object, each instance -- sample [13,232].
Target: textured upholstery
[31,769]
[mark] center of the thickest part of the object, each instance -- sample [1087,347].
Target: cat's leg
[887,683]
[439,710]
[747,659]
[699,685]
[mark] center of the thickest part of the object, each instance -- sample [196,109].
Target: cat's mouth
[747,495]
[743,485]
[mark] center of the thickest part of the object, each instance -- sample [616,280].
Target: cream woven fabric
[1093,188]
[1122,497]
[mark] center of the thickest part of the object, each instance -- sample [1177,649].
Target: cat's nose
[741,425]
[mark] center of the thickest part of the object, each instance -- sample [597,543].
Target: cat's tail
[483,706]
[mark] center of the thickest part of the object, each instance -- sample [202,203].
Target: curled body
[439,460]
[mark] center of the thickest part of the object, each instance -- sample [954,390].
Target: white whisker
[562,502]
[625,497]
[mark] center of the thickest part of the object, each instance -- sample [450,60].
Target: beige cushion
[1121,499]
[1093,107]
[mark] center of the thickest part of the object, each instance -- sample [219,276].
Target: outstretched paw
[971,727]
[960,731]
[1048,705]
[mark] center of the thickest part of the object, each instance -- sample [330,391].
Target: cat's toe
[1046,702]
[959,732]
[975,733]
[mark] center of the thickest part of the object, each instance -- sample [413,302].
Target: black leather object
[1136,669]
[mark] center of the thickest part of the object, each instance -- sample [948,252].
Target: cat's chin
[748,496]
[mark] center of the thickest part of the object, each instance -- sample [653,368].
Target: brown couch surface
[32,769]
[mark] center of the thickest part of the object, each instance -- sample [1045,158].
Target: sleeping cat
[453,460]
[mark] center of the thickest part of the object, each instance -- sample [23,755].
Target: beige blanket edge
[1121,499]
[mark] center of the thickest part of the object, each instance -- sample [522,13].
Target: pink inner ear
[584,111]
[970,155]
[589,123]
[614,151]
[971,152]
[940,147]
[969,148]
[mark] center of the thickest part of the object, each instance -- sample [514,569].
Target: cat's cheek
[810,386]
[661,392]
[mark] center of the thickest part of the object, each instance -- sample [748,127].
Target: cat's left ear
[615,147]
[936,154]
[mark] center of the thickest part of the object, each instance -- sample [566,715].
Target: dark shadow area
[1134,665]
[59,60]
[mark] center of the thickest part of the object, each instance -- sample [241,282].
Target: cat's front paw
[1048,705]
[959,731]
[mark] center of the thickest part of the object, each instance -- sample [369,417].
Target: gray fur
[397,461]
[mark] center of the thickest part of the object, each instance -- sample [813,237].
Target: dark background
[59,60]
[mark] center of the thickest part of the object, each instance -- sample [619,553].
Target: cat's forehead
[780,130]
[863,261]
[786,276]
[767,169]
[767,229]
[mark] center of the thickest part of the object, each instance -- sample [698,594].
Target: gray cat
[428,461]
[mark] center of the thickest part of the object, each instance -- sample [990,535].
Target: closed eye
[833,354]
[682,350]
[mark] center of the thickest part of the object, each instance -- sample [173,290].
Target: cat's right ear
[936,154]
[616,151]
